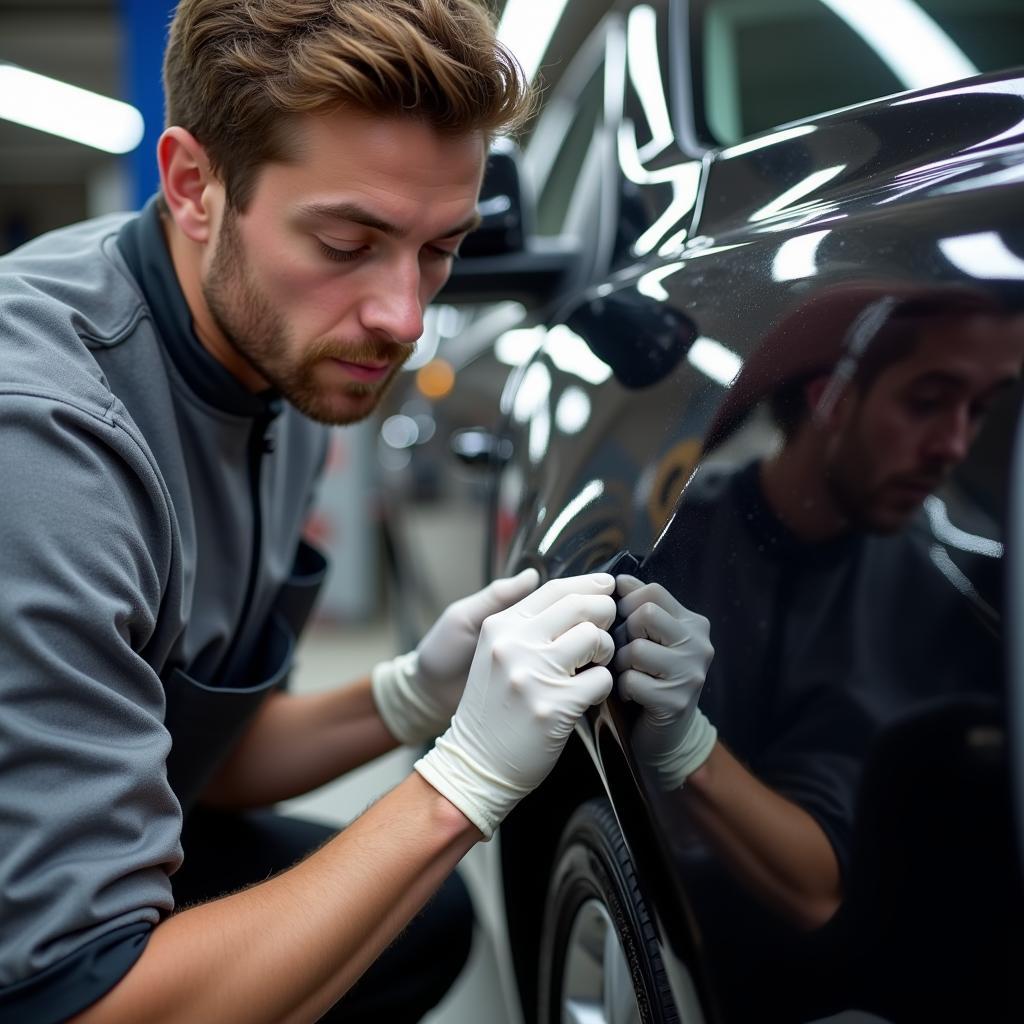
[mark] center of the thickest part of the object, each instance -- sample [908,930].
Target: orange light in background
[436,379]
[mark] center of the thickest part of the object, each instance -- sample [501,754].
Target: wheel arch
[671,913]
[529,840]
[597,766]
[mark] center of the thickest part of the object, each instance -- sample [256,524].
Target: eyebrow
[943,378]
[356,214]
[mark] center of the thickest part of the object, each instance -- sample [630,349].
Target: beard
[873,503]
[259,334]
[857,505]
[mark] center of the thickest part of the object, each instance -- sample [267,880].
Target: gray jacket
[151,583]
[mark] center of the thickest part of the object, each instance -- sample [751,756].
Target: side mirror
[502,207]
[642,339]
[503,259]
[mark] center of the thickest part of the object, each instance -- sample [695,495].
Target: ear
[190,187]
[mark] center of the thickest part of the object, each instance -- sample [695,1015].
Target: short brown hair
[235,70]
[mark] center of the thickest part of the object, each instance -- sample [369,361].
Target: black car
[773,363]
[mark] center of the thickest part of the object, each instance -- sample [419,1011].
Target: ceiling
[77,41]
[46,181]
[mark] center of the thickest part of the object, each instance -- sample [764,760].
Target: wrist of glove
[662,667]
[417,693]
[467,781]
[406,708]
[674,758]
[538,666]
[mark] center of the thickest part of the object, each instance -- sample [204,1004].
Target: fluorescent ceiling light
[906,38]
[685,181]
[983,255]
[714,360]
[532,405]
[797,258]
[540,434]
[977,89]
[645,72]
[533,392]
[651,286]
[701,248]
[944,530]
[526,28]
[940,558]
[571,354]
[1004,176]
[586,497]
[572,413]
[1010,88]
[767,140]
[802,188]
[65,110]
[517,346]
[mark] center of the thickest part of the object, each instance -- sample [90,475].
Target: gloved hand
[662,668]
[538,666]
[417,693]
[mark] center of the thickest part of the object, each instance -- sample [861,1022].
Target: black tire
[594,885]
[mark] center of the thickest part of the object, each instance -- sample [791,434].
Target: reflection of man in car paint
[827,615]
[872,452]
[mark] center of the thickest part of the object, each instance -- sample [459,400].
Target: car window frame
[689,92]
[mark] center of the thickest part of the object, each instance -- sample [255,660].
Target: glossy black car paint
[724,244]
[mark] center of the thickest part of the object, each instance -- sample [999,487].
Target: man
[829,610]
[161,375]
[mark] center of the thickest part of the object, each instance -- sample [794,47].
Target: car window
[563,171]
[758,65]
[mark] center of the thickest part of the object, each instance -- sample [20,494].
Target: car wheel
[599,959]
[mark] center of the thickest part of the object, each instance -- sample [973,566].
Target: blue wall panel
[144,34]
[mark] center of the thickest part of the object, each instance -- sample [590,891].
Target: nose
[393,306]
[951,439]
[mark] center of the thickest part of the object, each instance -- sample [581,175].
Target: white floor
[331,655]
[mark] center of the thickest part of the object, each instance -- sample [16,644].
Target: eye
[340,255]
[923,405]
[926,400]
[436,252]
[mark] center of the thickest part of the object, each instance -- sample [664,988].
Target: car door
[814,259]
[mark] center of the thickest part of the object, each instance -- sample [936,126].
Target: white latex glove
[417,693]
[662,668]
[538,666]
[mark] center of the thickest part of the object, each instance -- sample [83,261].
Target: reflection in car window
[555,195]
[647,85]
[765,64]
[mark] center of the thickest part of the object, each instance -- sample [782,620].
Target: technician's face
[322,281]
[898,442]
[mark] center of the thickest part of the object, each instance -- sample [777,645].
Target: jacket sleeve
[89,828]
